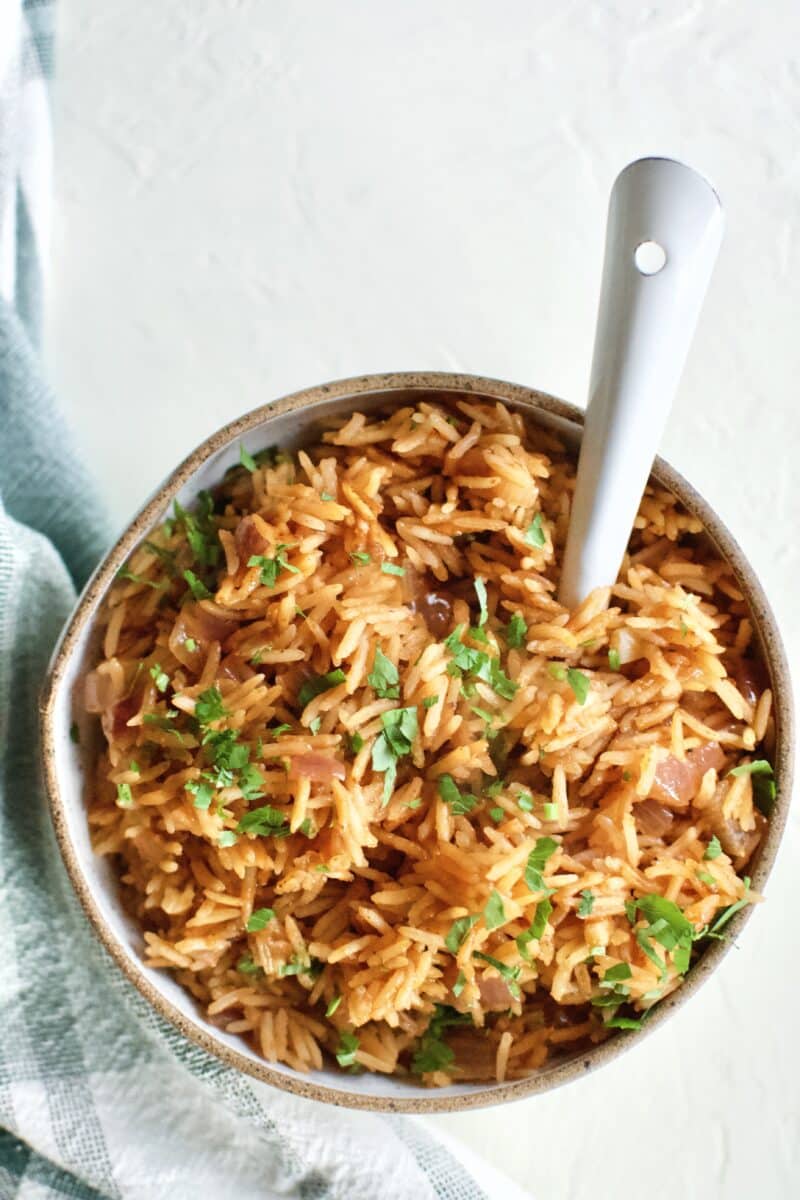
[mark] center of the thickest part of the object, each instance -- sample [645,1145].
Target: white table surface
[256,196]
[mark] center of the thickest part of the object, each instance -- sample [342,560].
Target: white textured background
[255,196]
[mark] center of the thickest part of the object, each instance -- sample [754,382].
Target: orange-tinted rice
[612,730]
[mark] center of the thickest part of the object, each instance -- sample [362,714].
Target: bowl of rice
[352,799]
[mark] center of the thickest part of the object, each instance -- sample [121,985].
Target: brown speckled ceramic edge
[533,401]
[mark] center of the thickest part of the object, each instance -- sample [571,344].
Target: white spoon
[662,239]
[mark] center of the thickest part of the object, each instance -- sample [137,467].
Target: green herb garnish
[265,822]
[613,659]
[318,685]
[587,903]
[355,743]
[124,795]
[384,678]
[209,707]
[460,803]
[399,731]
[480,591]
[510,974]
[457,934]
[534,534]
[203,793]
[227,838]
[494,914]
[272,567]
[347,1049]
[259,919]
[516,631]
[429,701]
[432,1053]
[196,586]
[190,644]
[361,557]
[713,849]
[247,460]
[537,859]
[392,569]
[497,814]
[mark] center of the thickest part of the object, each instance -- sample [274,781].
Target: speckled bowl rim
[532,401]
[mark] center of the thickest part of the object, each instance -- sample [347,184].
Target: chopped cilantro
[126,573]
[124,795]
[247,460]
[209,707]
[361,557]
[579,684]
[277,730]
[587,903]
[327,497]
[355,742]
[537,927]
[497,814]
[516,631]
[333,1005]
[667,926]
[392,569]
[618,973]
[227,838]
[250,782]
[247,967]
[196,586]
[314,726]
[459,984]
[713,849]
[534,534]
[259,919]
[256,658]
[318,685]
[537,859]
[429,701]
[759,766]
[623,1023]
[457,934]
[480,591]
[190,644]
[525,802]
[297,966]
[306,828]
[134,766]
[494,914]
[706,877]
[399,731]
[557,671]
[203,793]
[613,659]
[459,802]
[272,567]
[201,532]
[510,974]
[730,911]
[265,822]
[225,751]
[432,1053]
[384,678]
[347,1049]
[549,811]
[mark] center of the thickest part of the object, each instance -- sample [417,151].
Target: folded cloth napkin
[98,1096]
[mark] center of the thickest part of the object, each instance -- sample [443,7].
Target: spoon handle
[663,235]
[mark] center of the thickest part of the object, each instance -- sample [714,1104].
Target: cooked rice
[632,780]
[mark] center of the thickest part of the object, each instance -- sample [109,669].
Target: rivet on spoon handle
[664,230]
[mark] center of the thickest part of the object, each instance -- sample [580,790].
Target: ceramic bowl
[291,423]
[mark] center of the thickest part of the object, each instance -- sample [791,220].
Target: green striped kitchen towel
[98,1096]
